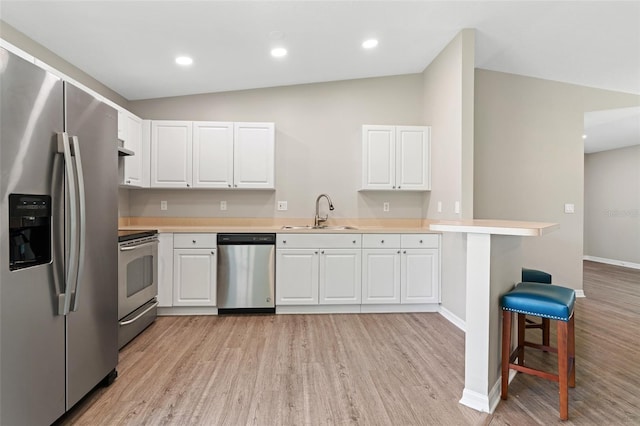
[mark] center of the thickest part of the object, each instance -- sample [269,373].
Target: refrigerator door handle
[82,220]
[64,148]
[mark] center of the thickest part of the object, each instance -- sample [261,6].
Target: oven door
[137,274]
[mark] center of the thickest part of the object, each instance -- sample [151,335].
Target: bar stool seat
[537,276]
[548,302]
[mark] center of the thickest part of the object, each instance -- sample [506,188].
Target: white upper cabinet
[130,167]
[171,154]
[254,155]
[207,154]
[396,158]
[212,154]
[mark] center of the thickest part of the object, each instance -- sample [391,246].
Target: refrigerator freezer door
[32,375]
[92,324]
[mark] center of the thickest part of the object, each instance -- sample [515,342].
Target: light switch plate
[282,205]
[569,208]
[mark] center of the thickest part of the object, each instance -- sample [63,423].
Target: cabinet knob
[284,241]
[188,185]
[322,252]
[235,186]
[229,185]
[399,187]
[394,187]
[213,252]
[128,181]
[398,251]
[381,241]
[315,252]
[404,252]
[193,241]
[354,241]
[420,241]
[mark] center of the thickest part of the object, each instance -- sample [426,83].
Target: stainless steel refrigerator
[58,243]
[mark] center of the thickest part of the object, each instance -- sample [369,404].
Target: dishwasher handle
[246,239]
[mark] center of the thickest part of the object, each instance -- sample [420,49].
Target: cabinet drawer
[380,241]
[194,240]
[312,240]
[420,240]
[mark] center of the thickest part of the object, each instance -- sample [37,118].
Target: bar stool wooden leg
[521,337]
[506,352]
[563,368]
[545,331]
[572,352]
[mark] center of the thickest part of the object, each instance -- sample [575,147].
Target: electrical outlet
[163,205]
[223,205]
[385,207]
[282,205]
[569,208]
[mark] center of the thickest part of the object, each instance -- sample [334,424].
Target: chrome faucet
[317,219]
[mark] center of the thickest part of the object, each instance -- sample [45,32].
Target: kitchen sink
[328,228]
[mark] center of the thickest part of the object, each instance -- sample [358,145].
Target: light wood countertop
[496,227]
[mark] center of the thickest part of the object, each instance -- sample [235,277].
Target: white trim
[475,400]
[408,308]
[612,262]
[318,309]
[452,318]
[187,310]
[580,293]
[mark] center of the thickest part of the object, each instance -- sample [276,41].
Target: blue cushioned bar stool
[537,276]
[546,301]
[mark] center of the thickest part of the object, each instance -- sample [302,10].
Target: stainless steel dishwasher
[246,273]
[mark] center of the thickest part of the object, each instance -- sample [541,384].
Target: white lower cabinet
[165,270]
[340,281]
[194,270]
[297,277]
[381,276]
[322,269]
[401,269]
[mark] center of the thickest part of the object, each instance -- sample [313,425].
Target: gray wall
[529,160]
[612,204]
[448,107]
[318,147]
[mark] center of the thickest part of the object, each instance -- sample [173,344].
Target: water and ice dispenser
[29,230]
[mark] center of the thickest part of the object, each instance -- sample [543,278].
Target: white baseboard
[580,293]
[453,319]
[612,262]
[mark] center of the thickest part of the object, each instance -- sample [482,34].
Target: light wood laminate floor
[369,369]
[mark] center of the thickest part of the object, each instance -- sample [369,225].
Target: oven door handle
[129,248]
[140,315]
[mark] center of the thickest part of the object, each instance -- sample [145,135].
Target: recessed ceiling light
[184,60]
[278,52]
[370,44]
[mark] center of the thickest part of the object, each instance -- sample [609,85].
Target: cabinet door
[194,277]
[297,277]
[340,276]
[254,155]
[133,141]
[413,171]
[212,154]
[380,276]
[420,276]
[165,270]
[378,157]
[171,154]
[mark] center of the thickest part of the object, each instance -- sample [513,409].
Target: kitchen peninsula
[493,267]
[493,263]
